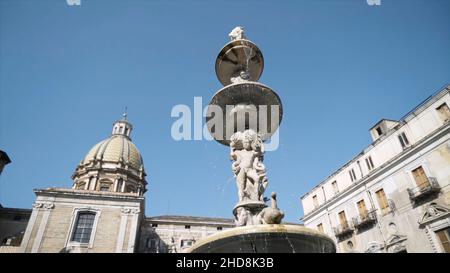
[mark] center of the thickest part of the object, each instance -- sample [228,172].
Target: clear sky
[339,66]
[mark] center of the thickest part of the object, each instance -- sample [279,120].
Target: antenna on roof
[125,114]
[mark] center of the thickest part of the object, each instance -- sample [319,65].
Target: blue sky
[67,72]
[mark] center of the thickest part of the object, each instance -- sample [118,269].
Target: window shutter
[443,236]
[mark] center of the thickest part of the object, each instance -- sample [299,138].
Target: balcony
[365,220]
[424,190]
[343,230]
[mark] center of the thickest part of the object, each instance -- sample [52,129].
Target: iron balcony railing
[343,229]
[365,219]
[425,189]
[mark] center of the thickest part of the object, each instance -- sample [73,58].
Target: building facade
[395,195]
[103,211]
[174,234]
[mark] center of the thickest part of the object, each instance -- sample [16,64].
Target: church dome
[117,148]
[114,164]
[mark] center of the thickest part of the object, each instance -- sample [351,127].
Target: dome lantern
[122,127]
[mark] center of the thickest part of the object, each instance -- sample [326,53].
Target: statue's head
[249,140]
[246,144]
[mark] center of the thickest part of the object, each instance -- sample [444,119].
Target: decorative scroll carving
[374,247]
[130,210]
[43,205]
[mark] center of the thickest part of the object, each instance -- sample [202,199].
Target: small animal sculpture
[271,215]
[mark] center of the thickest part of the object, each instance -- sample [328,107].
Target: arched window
[83,227]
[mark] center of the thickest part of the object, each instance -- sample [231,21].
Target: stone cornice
[129,172]
[89,194]
[184,220]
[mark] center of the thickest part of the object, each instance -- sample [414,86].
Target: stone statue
[272,214]
[237,34]
[172,246]
[243,217]
[247,152]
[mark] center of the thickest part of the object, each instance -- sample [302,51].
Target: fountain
[238,116]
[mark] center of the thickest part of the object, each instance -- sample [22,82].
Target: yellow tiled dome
[115,149]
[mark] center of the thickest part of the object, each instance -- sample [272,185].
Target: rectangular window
[343,219]
[352,175]
[420,177]
[83,227]
[335,187]
[444,112]
[379,131]
[403,140]
[187,227]
[315,201]
[186,243]
[320,227]
[219,228]
[444,238]
[369,163]
[362,209]
[154,225]
[104,186]
[382,201]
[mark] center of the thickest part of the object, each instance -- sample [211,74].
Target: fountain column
[243,115]
[251,113]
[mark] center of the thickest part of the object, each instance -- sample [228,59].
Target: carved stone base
[246,213]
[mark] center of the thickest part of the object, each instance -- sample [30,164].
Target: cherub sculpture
[247,152]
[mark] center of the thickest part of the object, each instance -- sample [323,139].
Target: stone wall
[55,212]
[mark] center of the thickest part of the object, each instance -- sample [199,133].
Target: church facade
[104,211]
